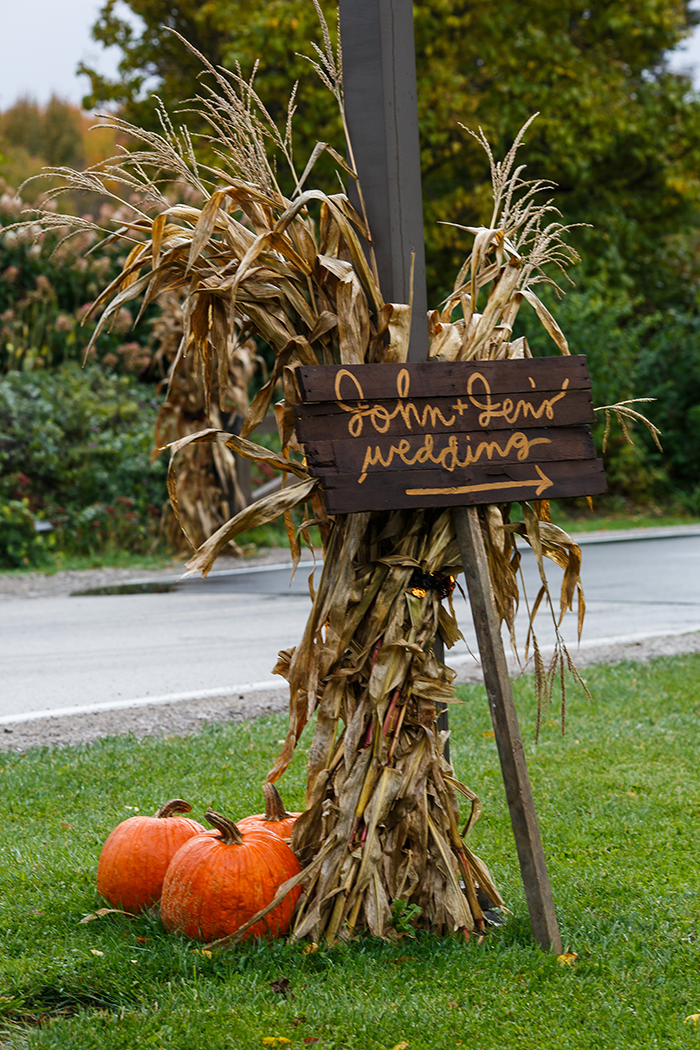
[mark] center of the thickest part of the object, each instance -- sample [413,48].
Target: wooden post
[379,76]
[526,831]
[379,60]
[381,109]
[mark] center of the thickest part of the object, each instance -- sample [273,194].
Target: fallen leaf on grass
[105,911]
[567,959]
[308,949]
[283,987]
[206,953]
[275,1040]
[400,1046]
[694,1018]
[96,951]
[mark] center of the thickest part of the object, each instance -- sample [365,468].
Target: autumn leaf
[96,951]
[101,912]
[275,1040]
[567,959]
[694,1018]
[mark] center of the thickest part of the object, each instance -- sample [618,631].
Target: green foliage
[617,806]
[62,142]
[405,917]
[75,446]
[619,133]
[32,135]
[23,125]
[21,545]
[668,369]
[631,354]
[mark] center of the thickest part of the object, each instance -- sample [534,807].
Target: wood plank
[443,378]
[502,483]
[376,456]
[504,717]
[443,415]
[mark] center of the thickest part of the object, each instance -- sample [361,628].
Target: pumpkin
[217,882]
[275,818]
[135,857]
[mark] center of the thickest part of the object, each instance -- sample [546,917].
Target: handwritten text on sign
[441,434]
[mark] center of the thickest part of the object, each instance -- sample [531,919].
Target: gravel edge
[189,716]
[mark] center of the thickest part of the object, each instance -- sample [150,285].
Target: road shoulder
[188,716]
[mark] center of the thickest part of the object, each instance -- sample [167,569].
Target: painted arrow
[542,484]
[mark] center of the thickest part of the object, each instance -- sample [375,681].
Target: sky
[42,42]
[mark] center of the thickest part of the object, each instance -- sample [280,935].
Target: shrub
[20,544]
[631,355]
[47,285]
[74,448]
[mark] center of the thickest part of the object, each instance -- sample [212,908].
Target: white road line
[593,643]
[277,685]
[146,701]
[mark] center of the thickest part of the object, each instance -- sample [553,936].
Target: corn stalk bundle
[382,819]
[207,482]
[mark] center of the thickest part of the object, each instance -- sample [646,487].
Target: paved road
[222,636]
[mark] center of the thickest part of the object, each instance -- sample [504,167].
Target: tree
[63,135]
[22,125]
[619,132]
[53,133]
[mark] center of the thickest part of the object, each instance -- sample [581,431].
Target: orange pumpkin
[135,857]
[275,818]
[216,883]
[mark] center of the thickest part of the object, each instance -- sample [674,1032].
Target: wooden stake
[523,818]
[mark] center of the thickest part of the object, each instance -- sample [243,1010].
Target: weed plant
[618,801]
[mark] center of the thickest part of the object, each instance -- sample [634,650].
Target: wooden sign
[393,436]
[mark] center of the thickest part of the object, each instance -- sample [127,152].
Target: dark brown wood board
[484,448]
[502,483]
[438,415]
[483,432]
[441,378]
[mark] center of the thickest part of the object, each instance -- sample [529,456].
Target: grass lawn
[619,804]
[257,541]
[585,521]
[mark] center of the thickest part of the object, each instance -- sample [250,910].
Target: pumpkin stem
[274,806]
[175,805]
[229,831]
